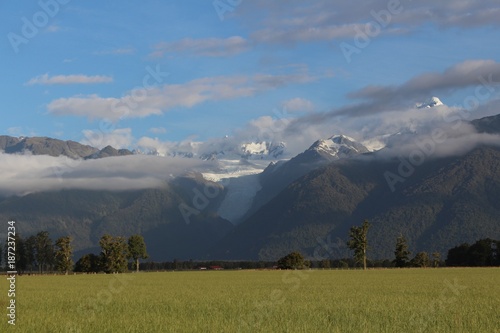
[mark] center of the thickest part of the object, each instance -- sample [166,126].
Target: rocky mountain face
[489,125]
[279,175]
[109,151]
[54,147]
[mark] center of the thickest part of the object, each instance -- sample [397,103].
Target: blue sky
[167,72]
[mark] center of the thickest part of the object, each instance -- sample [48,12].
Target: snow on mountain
[430,103]
[259,150]
[382,141]
[149,152]
[242,179]
[238,169]
[239,197]
[263,150]
[339,146]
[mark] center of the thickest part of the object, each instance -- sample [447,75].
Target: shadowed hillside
[445,202]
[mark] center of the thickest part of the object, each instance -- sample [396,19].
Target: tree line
[482,253]
[485,252]
[116,251]
[38,253]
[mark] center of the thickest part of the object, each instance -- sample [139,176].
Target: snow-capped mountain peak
[338,146]
[258,150]
[430,103]
[262,150]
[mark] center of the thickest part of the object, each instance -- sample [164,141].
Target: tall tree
[44,250]
[64,254]
[114,254]
[137,249]
[482,253]
[458,256]
[358,242]
[30,246]
[436,259]
[421,259]
[89,263]
[495,248]
[294,260]
[401,253]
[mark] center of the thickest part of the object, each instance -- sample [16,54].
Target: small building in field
[216,268]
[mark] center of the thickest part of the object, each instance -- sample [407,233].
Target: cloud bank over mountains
[24,174]
[417,135]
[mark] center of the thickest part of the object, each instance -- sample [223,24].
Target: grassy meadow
[406,300]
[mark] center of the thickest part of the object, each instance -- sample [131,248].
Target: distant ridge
[55,148]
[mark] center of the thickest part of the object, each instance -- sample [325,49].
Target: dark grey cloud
[481,75]
[209,47]
[462,75]
[290,21]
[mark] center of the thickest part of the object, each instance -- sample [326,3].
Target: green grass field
[408,300]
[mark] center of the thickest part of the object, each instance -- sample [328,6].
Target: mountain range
[55,148]
[306,203]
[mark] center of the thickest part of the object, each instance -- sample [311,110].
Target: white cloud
[158,130]
[118,138]
[145,102]
[53,28]
[45,79]
[120,51]
[168,147]
[20,131]
[23,174]
[15,131]
[210,47]
[298,105]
